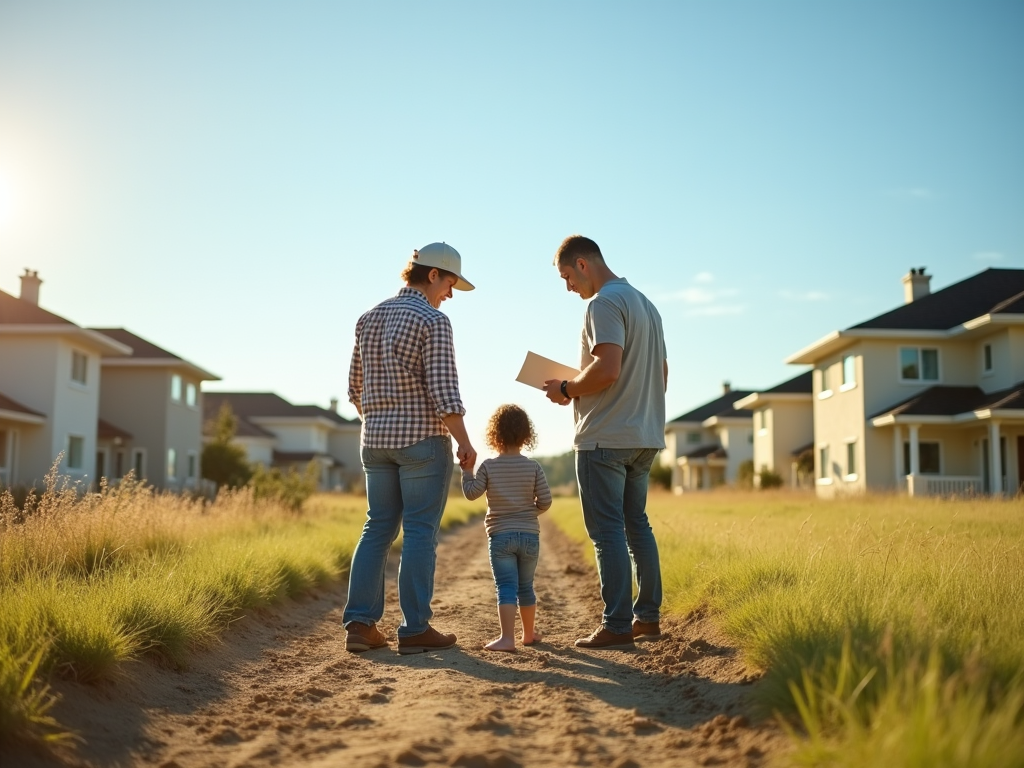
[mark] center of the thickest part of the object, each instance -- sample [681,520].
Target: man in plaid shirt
[405,386]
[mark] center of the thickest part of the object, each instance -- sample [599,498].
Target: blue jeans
[613,492]
[513,562]
[406,488]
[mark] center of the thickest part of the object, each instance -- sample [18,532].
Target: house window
[919,364]
[190,394]
[851,460]
[172,463]
[176,387]
[988,358]
[139,463]
[693,438]
[193,461]
[119,464]
[762,420]
[849,372]
[76,452]
[826,388]
[823,459]
[928,453]
[79,367]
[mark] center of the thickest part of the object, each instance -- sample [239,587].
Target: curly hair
[509,428]
[419,274]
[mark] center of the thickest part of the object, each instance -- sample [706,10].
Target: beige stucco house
[706,446]
[783,427]
[154,398]
[927,398]
[277,433]
[49,390]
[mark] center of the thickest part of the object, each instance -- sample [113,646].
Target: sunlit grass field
[86,583]
[891,629]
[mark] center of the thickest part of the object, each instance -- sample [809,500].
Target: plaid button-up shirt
[403,376]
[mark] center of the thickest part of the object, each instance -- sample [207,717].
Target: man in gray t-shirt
[619,408]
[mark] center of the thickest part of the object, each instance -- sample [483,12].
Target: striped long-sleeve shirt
[403,375]
[517,492]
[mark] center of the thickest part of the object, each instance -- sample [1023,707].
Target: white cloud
[703,277]
[988,256]
[716,310]
[806,296]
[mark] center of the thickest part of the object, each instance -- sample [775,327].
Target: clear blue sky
[238,181]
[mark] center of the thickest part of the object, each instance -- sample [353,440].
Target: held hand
[553,390]
[466,455]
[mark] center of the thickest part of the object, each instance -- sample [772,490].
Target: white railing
[944,485]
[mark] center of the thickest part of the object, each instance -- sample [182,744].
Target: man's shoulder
[408,306]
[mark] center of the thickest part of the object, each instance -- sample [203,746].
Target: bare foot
[537,637]
[500,644]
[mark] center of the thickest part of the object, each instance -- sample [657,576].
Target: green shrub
[661,475]
[767,479]
[289,488]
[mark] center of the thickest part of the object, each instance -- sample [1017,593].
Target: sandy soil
[281,690]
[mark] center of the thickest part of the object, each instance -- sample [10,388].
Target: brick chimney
[726,387]
[916,285]
[30,283]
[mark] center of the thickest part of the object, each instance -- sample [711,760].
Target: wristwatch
[564,393]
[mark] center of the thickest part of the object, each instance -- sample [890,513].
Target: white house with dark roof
[154,398]
[274,432]
[50,389]
[783,427]
[927,398]
[706,446]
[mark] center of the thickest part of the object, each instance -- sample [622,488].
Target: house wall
[790,424]
[311,437]
[1007,359]
[258,450]
[136,399]
[739,446]
[343,444]
[37,373]
[184,433]
[839,418]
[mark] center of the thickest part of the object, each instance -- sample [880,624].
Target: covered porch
[958,441]
[15,420]
[701,469]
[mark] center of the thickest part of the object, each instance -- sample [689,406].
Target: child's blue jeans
[513,562]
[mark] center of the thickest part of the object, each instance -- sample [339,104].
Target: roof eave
[20,416]
[161,362]
[106,346]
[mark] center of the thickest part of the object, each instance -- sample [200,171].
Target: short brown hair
[577,247]
[510,428]
[419,274]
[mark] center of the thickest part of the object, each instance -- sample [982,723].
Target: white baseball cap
[442,256]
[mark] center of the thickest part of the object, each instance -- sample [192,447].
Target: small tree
[223,462]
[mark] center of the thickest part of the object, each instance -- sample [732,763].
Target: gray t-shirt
[631,412]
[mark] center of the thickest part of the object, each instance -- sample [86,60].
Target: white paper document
[538,369]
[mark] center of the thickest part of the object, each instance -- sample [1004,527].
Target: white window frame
[172,464]
[762,420]
[138,466]
[920,381]
[851,452]
[825,469]
[77,356]
[823,381]
[988,360]
[176,387]
[846,386]
[191,394]
[81,465]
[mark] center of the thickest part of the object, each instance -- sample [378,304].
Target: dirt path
[282,691]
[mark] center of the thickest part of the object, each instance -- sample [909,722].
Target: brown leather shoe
[363,637]
[602,638]
[646,630]
[430,640]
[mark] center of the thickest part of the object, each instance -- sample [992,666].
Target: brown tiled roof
[142,349]
[955,304]
[14,311]
[6,404]
[951,401]
[107,431]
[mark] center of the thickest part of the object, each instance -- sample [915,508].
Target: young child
[517,492]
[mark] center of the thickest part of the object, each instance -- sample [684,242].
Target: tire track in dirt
[283,691]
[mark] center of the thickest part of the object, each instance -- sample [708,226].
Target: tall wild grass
[89,581]
[891,629]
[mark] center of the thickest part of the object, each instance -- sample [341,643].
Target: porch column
[995,463]
[706,475]
[915,452]
[897,449]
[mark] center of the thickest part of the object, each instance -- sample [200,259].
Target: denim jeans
[513,562]
[406,488]
[613,492]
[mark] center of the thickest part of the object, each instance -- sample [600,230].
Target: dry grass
[872,616]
